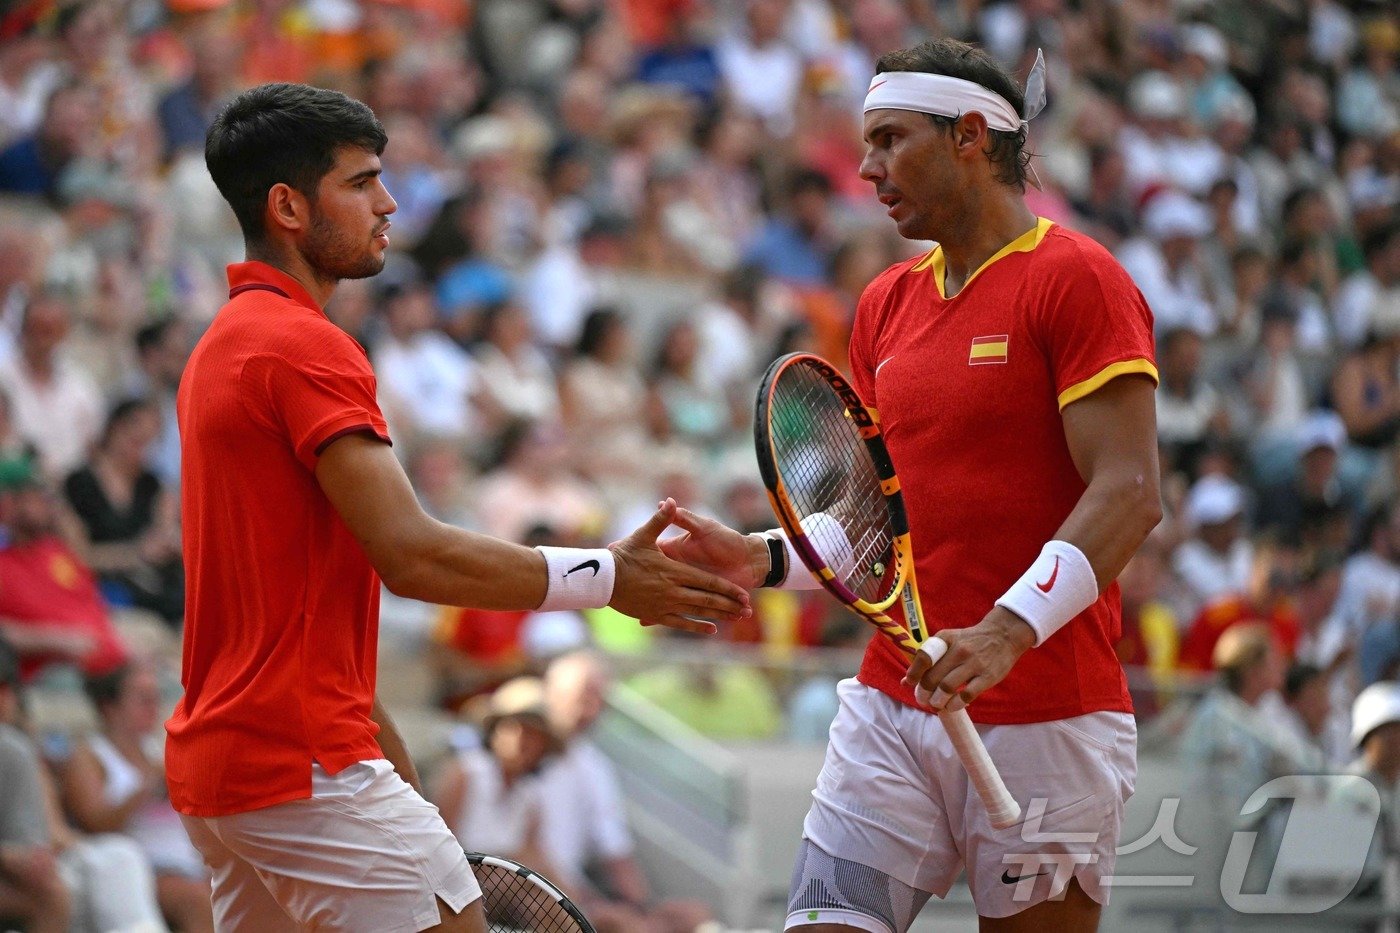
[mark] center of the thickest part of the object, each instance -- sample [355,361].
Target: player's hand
[714,546]
[660,591]
[977,658]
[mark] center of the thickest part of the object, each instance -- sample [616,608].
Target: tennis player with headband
[1012,370]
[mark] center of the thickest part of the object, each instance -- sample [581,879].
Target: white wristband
[579,578]
[798,576]
[1059,585]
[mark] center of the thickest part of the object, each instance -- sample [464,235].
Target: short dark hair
[283,134]
[124,411]
[1298,677]
[151,335]
[596,327]
[106,688]
[1006,151]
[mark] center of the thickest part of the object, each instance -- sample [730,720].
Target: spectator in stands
[1277,386]
[130,520]
[797,247]
[585,825]
[1371,293]
[115,783]
[1370,591]
[1366,390]
[426,381]
[724,701]
[32,890]
[186,111]
[761,69]
[50,876]
[35,164]
[1190,412]
[57,408]
[514,380]
[534,485]
[697,409]
[490,796]
[597,382]
[1296,277]
[1217,560]
[50,607]
[1375,737]
[162,348]
[1308,713]
[1300,509]
[1166,267]
[1233,744]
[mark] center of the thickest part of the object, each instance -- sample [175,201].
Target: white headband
[953,97]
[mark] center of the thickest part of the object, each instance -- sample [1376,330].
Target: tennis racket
[834,489]
[517,899]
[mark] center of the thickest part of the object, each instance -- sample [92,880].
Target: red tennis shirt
[969,391]
[281,603]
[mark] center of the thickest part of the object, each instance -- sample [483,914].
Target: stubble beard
[336,255]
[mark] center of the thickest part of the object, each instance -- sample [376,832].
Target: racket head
[517,899]
[831,482]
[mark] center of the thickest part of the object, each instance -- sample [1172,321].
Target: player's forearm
[1112,519]
[452,567]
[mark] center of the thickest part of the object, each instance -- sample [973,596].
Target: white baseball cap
[1322,429]
[1155,95]
[1176,214]
[1375,706]
[1214,499]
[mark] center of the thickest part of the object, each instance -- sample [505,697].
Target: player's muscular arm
[421,558]
[415,555]
[1112,437]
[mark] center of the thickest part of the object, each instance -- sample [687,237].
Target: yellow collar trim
[1024,243]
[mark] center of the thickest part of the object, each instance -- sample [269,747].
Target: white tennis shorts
[364,853]
[893,796]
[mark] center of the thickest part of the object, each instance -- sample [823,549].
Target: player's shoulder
[1069,253]
[266,323]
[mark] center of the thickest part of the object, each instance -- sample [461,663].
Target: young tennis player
[1012,371]
[291,780]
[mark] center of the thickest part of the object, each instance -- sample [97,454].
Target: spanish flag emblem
[987,350]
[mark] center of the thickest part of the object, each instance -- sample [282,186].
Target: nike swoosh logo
[882,364]
[592,565]
[1049,585]
[877,84]
[1006,877]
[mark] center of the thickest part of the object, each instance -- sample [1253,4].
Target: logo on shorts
[592,565]
[1006,877]
[1049,585]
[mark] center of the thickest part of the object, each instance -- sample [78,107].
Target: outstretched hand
[658,589]
[714,546]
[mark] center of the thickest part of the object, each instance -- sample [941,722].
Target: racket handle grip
[986,780]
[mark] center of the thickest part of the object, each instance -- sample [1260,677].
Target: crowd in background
[612,214]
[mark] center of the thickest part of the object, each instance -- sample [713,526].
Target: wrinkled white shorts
[893,796]
[364,853]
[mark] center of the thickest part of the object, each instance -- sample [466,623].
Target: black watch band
[777,562]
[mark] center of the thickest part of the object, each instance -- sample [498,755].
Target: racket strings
[515,904]
[828,473]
